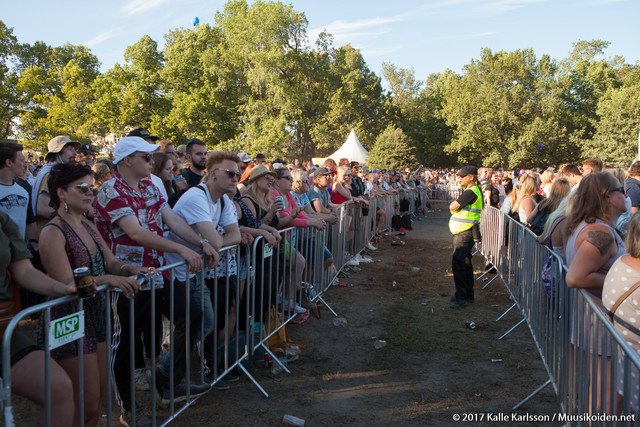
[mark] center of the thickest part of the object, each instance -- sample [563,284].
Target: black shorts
[21,345]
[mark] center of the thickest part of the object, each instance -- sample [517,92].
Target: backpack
[405,221]
[537,226]
[396,222]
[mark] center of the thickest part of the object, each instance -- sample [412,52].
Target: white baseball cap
[131,144]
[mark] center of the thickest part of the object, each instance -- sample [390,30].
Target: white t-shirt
[14,201]
[158,183]
[196,206]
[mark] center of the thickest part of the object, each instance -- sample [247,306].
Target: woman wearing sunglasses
[69,232]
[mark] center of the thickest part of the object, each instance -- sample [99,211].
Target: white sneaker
[140,378]
[352,262]
[366,260]
[371,247]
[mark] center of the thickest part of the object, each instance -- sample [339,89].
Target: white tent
[351,149]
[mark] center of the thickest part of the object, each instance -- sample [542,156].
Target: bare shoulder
[599,236]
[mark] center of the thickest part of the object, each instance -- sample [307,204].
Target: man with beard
[197,157]
[61,150]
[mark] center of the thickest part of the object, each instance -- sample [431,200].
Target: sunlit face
[19,165]
[68,154]
[141,163]
[225,175]
[171,151]
[165,172]
[198,156]
[78,194]
[284,182]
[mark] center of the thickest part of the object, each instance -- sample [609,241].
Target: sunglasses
[231,174]
[85,188]
[620,189]
[147,157]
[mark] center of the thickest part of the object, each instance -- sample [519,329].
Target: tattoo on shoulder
[601,240]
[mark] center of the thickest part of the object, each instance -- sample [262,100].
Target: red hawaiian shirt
[117,199]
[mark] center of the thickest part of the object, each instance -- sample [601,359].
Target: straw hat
[259,171]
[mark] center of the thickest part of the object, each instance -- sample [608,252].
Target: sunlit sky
[428,36]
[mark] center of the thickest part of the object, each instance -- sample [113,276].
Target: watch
[203,241]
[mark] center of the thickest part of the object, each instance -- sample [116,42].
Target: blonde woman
[265,208]
[547,178]
[525,203]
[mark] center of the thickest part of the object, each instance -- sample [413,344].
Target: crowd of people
[587,214]
[150,205]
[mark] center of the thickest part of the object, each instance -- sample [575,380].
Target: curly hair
[62,175]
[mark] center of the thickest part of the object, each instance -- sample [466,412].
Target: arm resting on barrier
[130,225]
[595,246]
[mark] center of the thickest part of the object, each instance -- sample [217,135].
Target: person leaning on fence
[211,214]
[292,215]
[69,232]
[299,189]
[592,247]
[464,222]
[319,194]
[621,298]
[27,359]
[129,215]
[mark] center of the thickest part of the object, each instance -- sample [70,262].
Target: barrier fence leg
[509,331]
[253,380]
[505,313]
[526,399]
[328,306]
[489,282]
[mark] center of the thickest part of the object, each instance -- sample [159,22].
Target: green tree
[55,89]
[9,108]
[617,131]
[355,100]
[392,150]
[492,109]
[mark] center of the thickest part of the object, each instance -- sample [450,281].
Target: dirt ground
[432,368]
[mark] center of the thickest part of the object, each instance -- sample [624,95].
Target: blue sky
[428,36]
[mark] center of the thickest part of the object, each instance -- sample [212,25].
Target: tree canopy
[251,80]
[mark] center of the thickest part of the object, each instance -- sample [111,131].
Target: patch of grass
[409,329]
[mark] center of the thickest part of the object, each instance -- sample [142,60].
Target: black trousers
[461,264]
[122,330]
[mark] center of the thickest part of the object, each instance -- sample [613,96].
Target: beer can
[268,360]
[84,282]
[281,199]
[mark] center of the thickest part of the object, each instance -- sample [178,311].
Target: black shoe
[454,299]
[458,303]
[163,395]
[140,418]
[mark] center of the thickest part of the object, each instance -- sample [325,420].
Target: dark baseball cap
[143,133]
[85,148]
[468,170]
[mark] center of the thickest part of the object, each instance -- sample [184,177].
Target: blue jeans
[207,315]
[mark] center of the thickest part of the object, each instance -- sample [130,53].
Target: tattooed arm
[595,246]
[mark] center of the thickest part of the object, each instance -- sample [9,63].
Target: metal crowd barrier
[586,358]
[242,318]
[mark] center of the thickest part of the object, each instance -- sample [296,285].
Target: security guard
[465,227]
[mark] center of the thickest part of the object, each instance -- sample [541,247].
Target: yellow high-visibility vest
[467,215]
